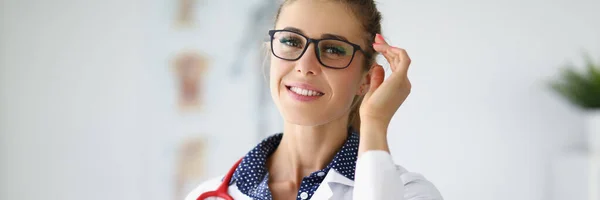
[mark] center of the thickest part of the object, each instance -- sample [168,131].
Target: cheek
[349,83]
[277,71]
[345,85]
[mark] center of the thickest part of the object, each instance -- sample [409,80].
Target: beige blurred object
[186,10]
[190,164]
[190,68]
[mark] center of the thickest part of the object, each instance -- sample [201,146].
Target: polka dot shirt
[252,176]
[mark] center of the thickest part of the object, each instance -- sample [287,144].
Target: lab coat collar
[335,177]
[334,181]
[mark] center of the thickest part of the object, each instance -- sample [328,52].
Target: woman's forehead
[315,18]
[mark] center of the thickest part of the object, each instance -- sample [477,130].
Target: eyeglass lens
[332,53]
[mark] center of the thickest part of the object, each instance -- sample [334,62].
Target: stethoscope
[221,191]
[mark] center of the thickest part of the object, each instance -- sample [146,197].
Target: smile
[304,92]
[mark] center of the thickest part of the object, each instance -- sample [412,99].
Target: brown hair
[369,17]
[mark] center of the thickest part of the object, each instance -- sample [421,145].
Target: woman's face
[328,92]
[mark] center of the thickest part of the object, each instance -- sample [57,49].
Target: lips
[304,89]
[304,92]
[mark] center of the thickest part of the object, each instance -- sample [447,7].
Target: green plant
[580,88]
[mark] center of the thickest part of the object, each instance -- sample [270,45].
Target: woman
[327,86]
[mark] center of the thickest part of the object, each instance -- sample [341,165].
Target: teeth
[305,92]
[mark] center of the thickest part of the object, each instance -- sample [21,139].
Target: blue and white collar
[251,176]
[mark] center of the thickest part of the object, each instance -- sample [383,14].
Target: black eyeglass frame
[316,44]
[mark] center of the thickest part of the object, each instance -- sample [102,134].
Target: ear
[365,82]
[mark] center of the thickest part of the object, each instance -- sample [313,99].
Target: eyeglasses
[331,52]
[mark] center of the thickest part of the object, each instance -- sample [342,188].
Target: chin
[303,117]
[305,122]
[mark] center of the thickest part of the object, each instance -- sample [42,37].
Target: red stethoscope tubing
[221,191]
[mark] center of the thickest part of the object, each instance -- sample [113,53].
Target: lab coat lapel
[334,183]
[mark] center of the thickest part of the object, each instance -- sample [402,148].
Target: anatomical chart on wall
[190,165]
[190,68]
[186,12]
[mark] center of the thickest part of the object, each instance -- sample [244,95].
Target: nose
[308,63]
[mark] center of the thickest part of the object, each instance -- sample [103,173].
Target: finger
[403,60]
[394,59]
[381,45]
[377,77]
[385,50]
[382,48]
[379,39]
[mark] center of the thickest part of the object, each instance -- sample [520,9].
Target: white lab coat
[376,178]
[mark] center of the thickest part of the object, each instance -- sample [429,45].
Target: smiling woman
[328,88]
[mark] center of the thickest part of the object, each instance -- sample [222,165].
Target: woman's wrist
[375,125]
[373,136]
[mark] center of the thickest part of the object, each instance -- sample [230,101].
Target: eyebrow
[323,36]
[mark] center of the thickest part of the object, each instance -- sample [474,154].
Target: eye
[291,41]
[336,50]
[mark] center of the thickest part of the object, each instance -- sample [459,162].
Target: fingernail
[380,36]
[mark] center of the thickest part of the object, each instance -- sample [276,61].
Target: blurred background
[134,99]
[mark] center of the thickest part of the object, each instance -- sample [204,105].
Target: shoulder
[206,186]
[416,186]
[378,168]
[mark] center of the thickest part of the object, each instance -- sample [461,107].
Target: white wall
[219,28]
[88,97]
[69,87]
[480,122]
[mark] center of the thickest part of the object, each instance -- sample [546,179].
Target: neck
[306,149]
